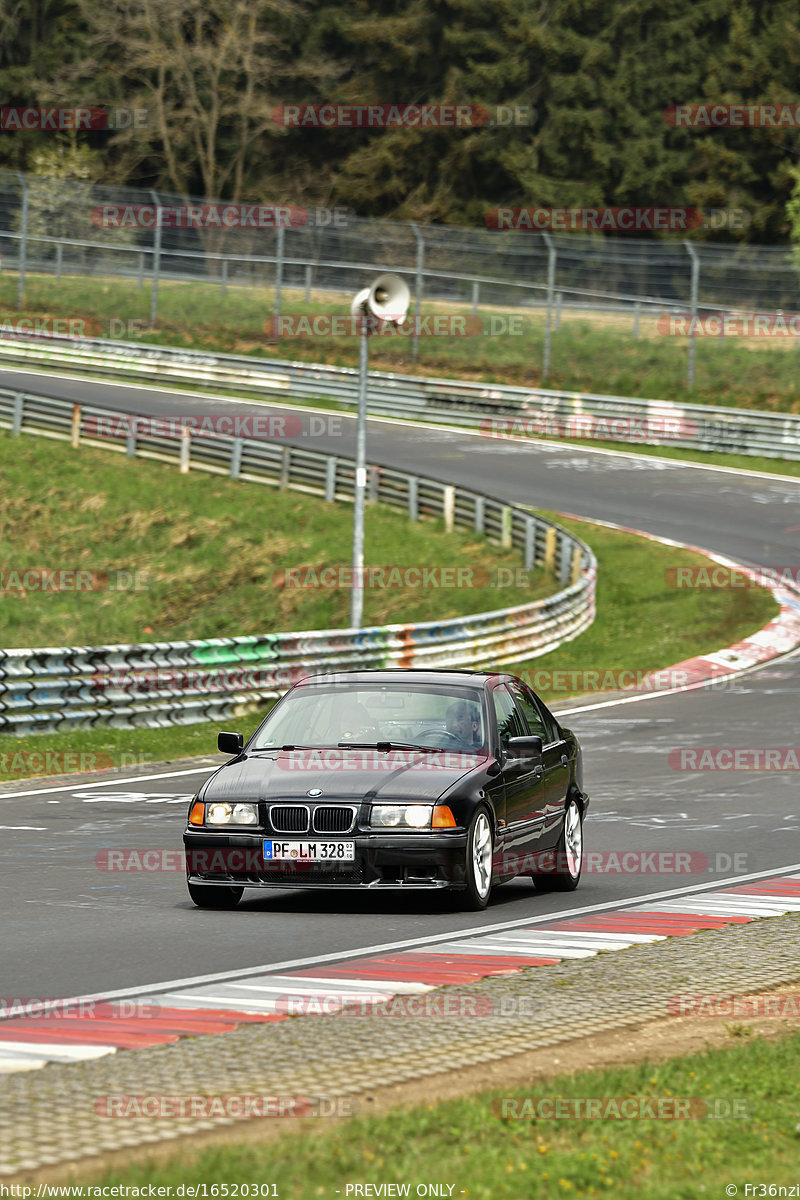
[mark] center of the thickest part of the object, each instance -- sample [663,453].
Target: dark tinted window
[508,719]
[530,711]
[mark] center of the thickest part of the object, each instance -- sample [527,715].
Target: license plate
[275,851]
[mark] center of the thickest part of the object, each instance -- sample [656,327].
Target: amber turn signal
[198,813]
[443,818]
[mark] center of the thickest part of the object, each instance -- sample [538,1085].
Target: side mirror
[526,747]
[230,743]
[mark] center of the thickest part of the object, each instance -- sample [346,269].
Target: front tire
[213,896]
[479,862]
[569,855]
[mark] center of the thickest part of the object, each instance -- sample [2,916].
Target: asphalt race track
[72,927]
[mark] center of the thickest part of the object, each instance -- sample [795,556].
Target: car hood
[340,775]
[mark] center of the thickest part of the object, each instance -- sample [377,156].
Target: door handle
[564,760]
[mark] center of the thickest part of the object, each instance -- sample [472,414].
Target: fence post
[279,271]
[476,287]
[140,283]
[186,441]
[506,517]
[156,261]
[449,507]
[75,436]
[551,283]
[558,311]
[413,498]
[636,320]
[693,302]
[16,420]
[59,255]
[23,242]
[330,480]
[530,543]
[308,284]
[417,291]
[223,287]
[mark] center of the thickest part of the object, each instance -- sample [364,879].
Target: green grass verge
[206,554]
[468,1145]
[586,355]
[641,624]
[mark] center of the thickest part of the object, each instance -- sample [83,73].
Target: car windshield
[449,718]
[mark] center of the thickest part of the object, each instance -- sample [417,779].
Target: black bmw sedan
[392,779]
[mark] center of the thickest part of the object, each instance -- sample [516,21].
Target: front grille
[330,818]
[289,818]
[315,873]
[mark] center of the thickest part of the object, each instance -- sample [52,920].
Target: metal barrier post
[551,283]
[417,291]
[693,302]
[23,244]
[156,261]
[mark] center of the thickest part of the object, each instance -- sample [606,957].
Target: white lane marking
[542,443]
[71,787]
[632,903]
[134,797]
[23,827]
[306,983]
[57,1051]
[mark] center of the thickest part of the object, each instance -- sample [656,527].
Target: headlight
[401,816]
[231,814]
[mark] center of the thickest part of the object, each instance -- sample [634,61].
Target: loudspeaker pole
[386,300]
[360,484]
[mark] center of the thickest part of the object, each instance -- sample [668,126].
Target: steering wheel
[441,733]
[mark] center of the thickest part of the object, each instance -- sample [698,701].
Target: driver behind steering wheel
[461,722]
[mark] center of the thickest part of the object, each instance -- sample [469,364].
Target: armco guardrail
[211,679]
[499,411]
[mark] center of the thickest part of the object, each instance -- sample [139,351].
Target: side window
[508,722]
[550,723]
[530,711]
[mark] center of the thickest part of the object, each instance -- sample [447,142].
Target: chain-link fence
[60,228]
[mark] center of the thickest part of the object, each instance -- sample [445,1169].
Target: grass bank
[727,1116]
[207,550]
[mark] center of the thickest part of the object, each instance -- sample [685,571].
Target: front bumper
[382,862]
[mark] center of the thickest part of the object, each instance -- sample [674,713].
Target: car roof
[442,675]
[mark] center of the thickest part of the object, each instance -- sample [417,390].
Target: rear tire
[213,896]
[478,862]
[568,855]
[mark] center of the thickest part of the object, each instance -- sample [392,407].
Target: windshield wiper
[389,746]
[276,749]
